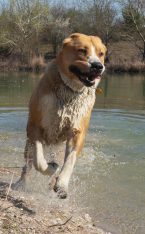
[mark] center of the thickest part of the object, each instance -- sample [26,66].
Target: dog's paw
[19,185]
[61,190]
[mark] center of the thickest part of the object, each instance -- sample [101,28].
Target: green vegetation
[32,31]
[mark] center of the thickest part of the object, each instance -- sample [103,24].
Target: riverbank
[137,67]
[22,213]
[39,63]
[13,63]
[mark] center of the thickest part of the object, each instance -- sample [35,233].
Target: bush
[121,66]
[37,63]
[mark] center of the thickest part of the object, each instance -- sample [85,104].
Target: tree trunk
[144,54]
[22,55]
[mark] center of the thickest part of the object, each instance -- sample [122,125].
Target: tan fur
[60,107]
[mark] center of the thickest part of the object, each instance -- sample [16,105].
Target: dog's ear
[71,38]
[75,35]
[67,40]
[98,39]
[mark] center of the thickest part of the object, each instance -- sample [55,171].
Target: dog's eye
[82,51]
[101,54]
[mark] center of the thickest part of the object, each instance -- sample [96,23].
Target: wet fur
[60,109]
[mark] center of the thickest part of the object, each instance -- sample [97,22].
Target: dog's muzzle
[88,79]
[96,67]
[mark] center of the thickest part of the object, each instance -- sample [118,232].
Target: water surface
[110,173]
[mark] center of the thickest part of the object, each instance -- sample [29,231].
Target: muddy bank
[21,212]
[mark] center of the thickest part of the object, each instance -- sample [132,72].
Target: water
[109,174]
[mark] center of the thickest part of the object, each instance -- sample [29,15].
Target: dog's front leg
[73,147]
[39,161]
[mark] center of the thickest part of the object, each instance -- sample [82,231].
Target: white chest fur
[62,112]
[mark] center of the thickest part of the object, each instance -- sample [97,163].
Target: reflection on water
[122,92]
[109,174]
[15,88]
[119,91]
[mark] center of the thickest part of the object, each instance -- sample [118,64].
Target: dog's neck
[67,95]
[72,84]
[67,84]
[75,85]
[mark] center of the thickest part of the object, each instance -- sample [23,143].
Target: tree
[23,21]
[57,29]
[127,13]
[77,20]
[134,23]
[102,14]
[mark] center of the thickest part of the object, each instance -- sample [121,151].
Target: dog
[60,107]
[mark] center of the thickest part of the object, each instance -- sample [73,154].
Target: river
[109,176]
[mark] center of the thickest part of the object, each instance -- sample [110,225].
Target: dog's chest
[63,113]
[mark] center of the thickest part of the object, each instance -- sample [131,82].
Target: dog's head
[82,59]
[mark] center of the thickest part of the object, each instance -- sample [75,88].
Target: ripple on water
[109,174]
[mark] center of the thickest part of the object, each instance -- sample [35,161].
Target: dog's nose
[97,66]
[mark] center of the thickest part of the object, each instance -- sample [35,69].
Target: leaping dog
[61,104]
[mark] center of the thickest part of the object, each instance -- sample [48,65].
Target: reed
[124,66]
[37,63]
[9,64]
[34,63]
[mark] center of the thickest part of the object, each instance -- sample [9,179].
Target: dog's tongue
[97,77]
[91,78]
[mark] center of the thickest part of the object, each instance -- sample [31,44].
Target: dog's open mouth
[87,79]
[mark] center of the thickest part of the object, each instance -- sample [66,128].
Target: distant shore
[129,67]
[39,63]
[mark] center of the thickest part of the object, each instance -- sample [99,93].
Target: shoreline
[21,212]
[138,67]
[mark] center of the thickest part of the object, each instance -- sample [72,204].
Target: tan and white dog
[61,104]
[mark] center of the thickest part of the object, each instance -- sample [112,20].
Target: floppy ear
[67,40]
[70,38]
[74,35]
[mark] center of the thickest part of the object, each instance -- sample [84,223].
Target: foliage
[134,23]
[59,30]
[29,27]
[22,21]
[130,15]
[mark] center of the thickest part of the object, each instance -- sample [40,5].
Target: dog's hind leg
[27,169]
[73,148]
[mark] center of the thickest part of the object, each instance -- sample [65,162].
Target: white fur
[67,170]
[64,109]
[97,81]
[39,161]
[75,85]
[94,58]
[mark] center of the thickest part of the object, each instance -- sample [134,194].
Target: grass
[124,66]
[35,63]
[123,57]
